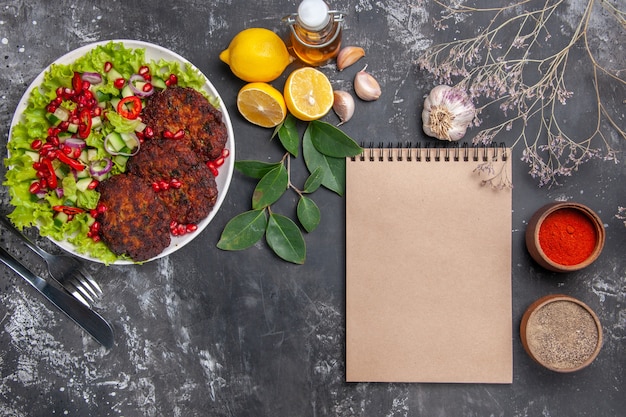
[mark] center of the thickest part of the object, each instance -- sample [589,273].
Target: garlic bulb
[343,105]
[447,113]
[366,86]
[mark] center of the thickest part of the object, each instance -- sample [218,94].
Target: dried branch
[510,65]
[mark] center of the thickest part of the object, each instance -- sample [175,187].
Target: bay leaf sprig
[324,149]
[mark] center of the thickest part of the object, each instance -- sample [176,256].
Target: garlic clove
[366,87]
[348,56]
[343,105]
[447,113]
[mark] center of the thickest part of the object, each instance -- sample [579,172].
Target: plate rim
[226,171]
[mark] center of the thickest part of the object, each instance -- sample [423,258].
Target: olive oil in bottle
[315,32]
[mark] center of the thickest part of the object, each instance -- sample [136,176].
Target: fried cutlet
[177,108]
[135,222]
[183,182]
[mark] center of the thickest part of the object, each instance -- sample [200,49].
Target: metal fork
[67,270]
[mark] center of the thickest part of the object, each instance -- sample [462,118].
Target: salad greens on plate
[77,127]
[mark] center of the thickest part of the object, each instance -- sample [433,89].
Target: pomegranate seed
[59,92]
[167,134]
[92,185]
[97,111]
[53,140]
[225,153]
[57,101]
[191,227]
[66,150]
[179,135]
[36,144]
[43,184]
[219,161]
[51,108]
[34,188]
[214,171]
[147,77]
[147,87]
[107,66]
[119,83]
[64,125]
[93,213]
[164,185]
[175,183]
[143,70]
[95,227]
[173,224]
[101,208]
[173,79]
[156,187]
[181,229]
[95,238]
[148,132]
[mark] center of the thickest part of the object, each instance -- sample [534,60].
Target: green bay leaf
[314,181]
[285,239]
[308,214]
[271,187]
[243,230]
[333,169]
[255,169]
[332,141]
[288,135]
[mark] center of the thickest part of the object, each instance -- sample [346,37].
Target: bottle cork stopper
[313,14]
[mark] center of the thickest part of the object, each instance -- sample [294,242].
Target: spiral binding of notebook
[453,152]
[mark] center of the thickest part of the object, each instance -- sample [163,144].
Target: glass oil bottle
[315,32]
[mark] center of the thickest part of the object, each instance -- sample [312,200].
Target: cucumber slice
[127,92]
[158,83]
[60,218]
[114,142]
[113,74]
[83,183]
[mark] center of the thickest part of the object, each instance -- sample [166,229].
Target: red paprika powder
[567,236]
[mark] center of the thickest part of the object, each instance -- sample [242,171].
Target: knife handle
[82,315]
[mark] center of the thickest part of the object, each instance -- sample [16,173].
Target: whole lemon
[257,55]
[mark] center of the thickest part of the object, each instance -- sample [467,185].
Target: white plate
[153,52]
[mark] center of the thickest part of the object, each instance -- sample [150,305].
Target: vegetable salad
[79,128]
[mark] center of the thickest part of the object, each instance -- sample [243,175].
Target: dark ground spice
[562,334]
[567,236]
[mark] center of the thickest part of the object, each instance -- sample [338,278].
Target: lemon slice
[261,104]
[308,94]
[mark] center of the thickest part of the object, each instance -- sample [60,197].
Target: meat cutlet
[177,108]
[135,222]
[184,183]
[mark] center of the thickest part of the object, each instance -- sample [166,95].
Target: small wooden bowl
[561,333]
[537,252]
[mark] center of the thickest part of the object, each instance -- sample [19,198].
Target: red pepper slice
[129,107]
[73,163]
[51,176]
[77,83]
[68,209]
[84,128]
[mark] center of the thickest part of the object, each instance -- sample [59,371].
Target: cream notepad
[428,266]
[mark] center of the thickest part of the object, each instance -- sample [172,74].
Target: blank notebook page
[428,267]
